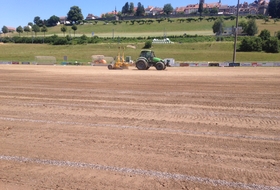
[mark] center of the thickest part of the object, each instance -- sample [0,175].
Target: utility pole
[236,31]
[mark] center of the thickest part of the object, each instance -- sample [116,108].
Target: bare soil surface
[73,127]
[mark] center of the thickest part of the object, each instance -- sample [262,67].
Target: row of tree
[27,29]
[73,27]
[36,29]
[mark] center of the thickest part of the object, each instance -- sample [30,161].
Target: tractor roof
[146,50]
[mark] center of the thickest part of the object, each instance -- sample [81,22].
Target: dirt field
[73,127]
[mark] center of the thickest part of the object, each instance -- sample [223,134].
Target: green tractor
[147,59]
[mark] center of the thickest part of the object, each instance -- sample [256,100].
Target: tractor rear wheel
[160,66]
[141,64]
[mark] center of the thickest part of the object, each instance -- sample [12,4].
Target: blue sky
[14,13]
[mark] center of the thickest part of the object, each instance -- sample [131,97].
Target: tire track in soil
[151,173]
[179,114]
[168,130]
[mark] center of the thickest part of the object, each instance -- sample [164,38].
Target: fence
[96,60]
[229,64]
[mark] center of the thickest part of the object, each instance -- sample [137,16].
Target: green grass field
[207,51]
[210,51]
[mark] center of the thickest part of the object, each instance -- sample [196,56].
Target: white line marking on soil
[166,175]
[145,129]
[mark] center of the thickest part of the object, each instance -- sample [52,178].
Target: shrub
[60,41]
[278,35]
[265,34]
[250,44]
[83,39]
[271,45]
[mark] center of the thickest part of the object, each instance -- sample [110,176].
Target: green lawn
[208,51]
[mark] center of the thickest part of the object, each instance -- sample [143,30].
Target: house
[179,10]
[153,10]
[11,29]
[157,10]
[262,7]
[229,31]
[63,20]
[148,10]
[210,6]
[225,9]
[91,17]
[192,8]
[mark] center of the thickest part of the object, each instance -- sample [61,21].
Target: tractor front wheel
[160,66]
[110,67]
[141,64]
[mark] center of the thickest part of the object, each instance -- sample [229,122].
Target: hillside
[139,29]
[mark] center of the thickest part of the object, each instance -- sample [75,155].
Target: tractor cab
[149,55]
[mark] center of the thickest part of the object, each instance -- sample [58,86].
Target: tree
[53,20]
[44,29]
[218,26]
[63,29]
[74,27]
[167,8]
[252,28]
[19,30]
[265,34]
[35,28]
[5,29]
[30,24]
[266,19]
[131,9]
[125,8]
[243,24]
[27,29]
[275,20]
[37,20]
[140,11]
[200,8]
[75,14]
[148,44]
[274,8]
